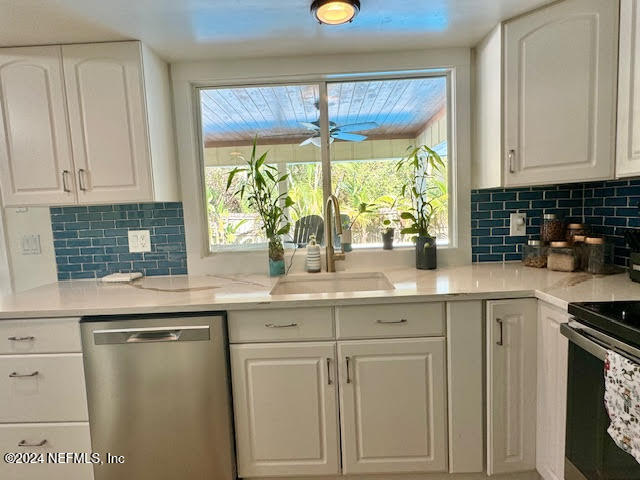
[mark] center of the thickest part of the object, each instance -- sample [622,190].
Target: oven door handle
[596,342]
[583,342]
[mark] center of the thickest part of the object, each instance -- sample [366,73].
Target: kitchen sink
[331,283]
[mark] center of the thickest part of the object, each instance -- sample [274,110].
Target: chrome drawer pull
[273,325]
[81,176]
[23,443]
[329,381]
[500,323]
[402,320]
[65,183]
[348,361]
[21,339]
[25,375]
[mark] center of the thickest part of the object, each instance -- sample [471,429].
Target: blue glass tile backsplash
[92,241]
[608,208]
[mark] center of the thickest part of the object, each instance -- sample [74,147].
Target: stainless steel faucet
[330,254]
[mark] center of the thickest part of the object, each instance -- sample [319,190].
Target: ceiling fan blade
[307,141]
[310,125]
[358,127]
[349,137]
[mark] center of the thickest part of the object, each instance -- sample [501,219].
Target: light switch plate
[30,244]
[518,224]
[139,241]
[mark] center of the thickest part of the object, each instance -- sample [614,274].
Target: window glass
[372,125]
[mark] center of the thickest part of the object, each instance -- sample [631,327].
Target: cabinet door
[552,392]
[392,401]
[559,93]
[35,153]
[511,385]
[628,150]
[107,115]
[285,406]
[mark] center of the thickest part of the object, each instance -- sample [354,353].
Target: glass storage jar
[581,251]
[599,255]
[561,257]
[551,229]
[534,254]
[574,229]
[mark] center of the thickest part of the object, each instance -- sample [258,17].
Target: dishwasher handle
[189,333]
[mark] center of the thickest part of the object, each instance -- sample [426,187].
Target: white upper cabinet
[628,145]
[559,93]
[393,406]
[559,69]
[511,385]
[107,117]
[35,152]
[86,124]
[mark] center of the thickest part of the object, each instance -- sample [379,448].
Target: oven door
[590,453]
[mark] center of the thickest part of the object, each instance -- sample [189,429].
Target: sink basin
[331,283]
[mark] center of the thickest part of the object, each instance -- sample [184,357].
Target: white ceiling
[203,29]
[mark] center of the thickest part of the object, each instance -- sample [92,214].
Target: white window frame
[325,147]
[188,77]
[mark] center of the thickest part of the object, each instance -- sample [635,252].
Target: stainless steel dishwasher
[158,394]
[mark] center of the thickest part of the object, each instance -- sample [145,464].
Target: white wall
[185,76]
[30,271]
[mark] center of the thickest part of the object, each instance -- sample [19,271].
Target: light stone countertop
[242,292]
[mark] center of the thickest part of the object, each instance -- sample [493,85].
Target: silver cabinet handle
[348,360]
[329,381]
[287,325]
[402,320]
[65,182]
[500,323]
[81,175]
[23,443]
[21,339]
[23,375]
[512,158]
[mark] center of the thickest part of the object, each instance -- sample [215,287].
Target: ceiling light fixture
[335,12]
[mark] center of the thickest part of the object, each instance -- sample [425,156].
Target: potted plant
[260,187]
[423,163]
[387,235]
[346,238]
[387,205]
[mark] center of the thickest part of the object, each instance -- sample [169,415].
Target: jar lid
[575,226]
[578,238]
[549,216]
[534,243]
[559,244]
[594,241]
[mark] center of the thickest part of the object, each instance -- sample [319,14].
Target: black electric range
[618,319]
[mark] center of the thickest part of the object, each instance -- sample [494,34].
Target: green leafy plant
[260,186]
[362,208]
[424,163]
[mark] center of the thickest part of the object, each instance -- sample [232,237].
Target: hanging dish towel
[622,400]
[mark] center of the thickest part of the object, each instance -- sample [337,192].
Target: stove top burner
[619,319]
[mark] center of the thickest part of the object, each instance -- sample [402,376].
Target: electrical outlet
[518,224]
[30,244]
[139,241]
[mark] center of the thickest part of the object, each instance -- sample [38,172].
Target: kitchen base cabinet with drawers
[43,406]
[366,394]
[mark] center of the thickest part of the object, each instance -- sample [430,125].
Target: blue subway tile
[530,195]
[69,217]
[101,208]
[516,205]
[91,233]
[76,267]
[604,211]
[82,275]
[502,196]
[55,210]
[127,223]
[116,232]
[504,248]
[67,251]
[556,194]
[169,248]
[491,240]
[179,271]
[66,210]
[130,206]
[543,203]
[616,201]
[480,197]
[107,242]
[103,224]
[114,216]
[93,266]
[141,265]
[89,217]
[156,271]
[105,258]
[166,230]
[127,257]
[92,250]
[626,212]
[63,276]
[79,242]
[81,259]
[176,238]
[510,257]
[484,206]
[122,249]
[490,258]
[617,221]
[65,234]
[76,226]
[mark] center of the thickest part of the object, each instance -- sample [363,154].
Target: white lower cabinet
[46,439]
[392,399]
[511,385]
[286,410]
[552,392]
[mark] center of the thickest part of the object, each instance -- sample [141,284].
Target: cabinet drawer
[42,388]
[60,437]
[401,320]
[46,335]
[284,324]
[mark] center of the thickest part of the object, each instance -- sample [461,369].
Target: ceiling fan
[338,132]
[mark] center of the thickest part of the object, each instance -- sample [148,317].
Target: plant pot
[387,239]
[426,257]
[345,240]
[276,257]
